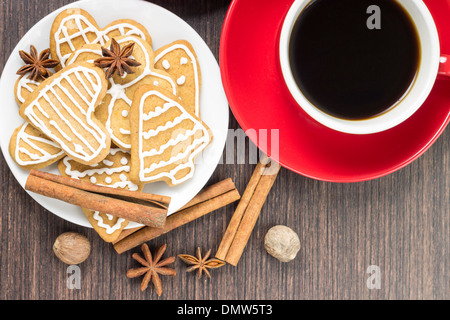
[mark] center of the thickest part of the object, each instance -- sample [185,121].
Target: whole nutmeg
[72,247]
[282,243]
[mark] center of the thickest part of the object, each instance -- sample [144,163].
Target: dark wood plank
[400,222]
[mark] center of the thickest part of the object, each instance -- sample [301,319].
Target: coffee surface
[347,69]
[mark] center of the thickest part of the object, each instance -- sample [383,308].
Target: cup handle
[444,66]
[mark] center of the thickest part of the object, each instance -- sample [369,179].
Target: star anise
[36,65]
[117,59]
[152,266]
[201,264]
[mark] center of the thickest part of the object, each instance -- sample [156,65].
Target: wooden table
[400,222]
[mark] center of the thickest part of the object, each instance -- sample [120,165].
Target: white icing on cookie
[166,64]
[109,170]
[181,80]
[71,120]
[37,155]
[108,162]
[108,229]
[24,83]
[81,51]
[117,91]
[191,151]
[191,56]
[85,27]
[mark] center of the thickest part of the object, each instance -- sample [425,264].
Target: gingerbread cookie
[165,138]
[114,109]
[74,27]
[24,87]
[62,108]
[30,149]
[180,61]
[113,171]
[88,53]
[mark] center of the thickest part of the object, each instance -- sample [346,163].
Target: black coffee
[347,69]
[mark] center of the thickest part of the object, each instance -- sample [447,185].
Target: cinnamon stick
[209,200]
[244,219]
[208,193]
[233,225]
[147,209]
[135,196]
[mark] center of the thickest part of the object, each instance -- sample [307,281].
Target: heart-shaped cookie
[115,108]
[74,27]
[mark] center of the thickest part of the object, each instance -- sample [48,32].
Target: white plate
[164,27]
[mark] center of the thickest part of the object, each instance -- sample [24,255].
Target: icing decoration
[24,83]
[166,64]
[71,139]
[184,159]
[108,229]
[107,162]
[183,60]
[108,170]
[31,137]
[74,57]
[181,80]
[84,28]
[117,91]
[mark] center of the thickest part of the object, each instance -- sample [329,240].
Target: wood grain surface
[400,222]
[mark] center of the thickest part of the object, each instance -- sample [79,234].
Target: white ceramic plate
[164,27]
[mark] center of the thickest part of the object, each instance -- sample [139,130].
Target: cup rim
[385,120]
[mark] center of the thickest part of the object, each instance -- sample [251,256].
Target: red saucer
[259,99]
